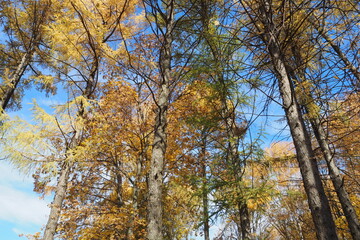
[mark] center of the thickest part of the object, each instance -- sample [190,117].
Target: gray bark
[156,172]
[56,205]
[321,137]
[317,199]
[205,199]
[337,180]
[318,202]
[9,89]
[155,180]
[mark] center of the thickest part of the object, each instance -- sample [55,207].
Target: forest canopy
[165,128]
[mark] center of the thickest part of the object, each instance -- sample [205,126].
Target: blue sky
[21,210]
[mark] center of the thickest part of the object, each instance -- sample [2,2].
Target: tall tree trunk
[318,202]
[61,187]
[337,180]
[334,172]
[244,220]
[155,177]
[233,133]
[204,190]
[56,205]
[317,199]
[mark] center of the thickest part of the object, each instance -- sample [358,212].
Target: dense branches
[159,133]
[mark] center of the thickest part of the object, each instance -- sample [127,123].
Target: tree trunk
[337,180]
[61,187]
[334,172]
[9,90]
[155,181]
[318,202]
[204,187]
[155,177]
[56,205]
[14,80]
[317,199]
[244,220]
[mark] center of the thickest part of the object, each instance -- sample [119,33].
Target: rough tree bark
[317,199]
[204,191]
[322,139]
[156,171]
[318,202]
[337,179]
[56,205]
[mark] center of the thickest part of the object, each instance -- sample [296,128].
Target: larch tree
[265,17]
[301,68]
[73,49]
[96,23]
[223,64]
[162,73]
[23,24]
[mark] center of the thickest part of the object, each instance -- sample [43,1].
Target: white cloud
[18,231]
[11,176]
[18,203]
[48,102]
[21,208]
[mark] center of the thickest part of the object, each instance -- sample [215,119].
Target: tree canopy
[165,131]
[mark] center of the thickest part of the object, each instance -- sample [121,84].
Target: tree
[300,66]
[23,22]
[343,132]
[223,64]
[164,23]
[263,17]
[75,43]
